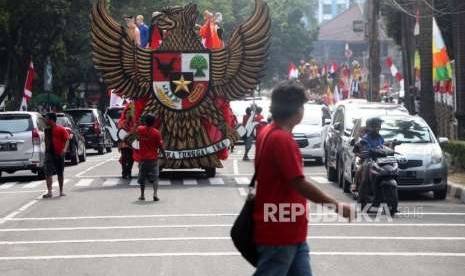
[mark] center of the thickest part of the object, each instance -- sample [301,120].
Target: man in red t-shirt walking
[150,141]
[282,191]
[56,145]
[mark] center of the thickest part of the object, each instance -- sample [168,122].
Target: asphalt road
[100,228]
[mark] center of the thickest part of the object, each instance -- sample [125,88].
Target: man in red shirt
[56,145]
[150,141]
[282,191]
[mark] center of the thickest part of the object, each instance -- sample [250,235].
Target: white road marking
[34,184]
[134,182]
[242,180]
[190,182]
[127,217]
[236,167]
[320,179]
[24,192]
[56,185]
[20,210]
[243,192]
[7,185]
[228,238]
[222,254]
[164,182]
[93,167]
[84,183]
[111,182]
[224,225]
[216,181]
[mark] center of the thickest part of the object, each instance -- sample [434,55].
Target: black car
[77,144]
[93,126]
[339,132]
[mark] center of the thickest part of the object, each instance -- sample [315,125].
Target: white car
[311,129]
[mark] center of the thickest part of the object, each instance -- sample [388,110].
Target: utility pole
[374,67]
[408,50]
[459,48]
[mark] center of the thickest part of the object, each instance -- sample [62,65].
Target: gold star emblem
[182,85]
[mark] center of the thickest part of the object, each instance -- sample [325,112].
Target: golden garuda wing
[125,66]
[237,67]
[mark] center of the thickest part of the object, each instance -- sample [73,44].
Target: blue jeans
[287,260]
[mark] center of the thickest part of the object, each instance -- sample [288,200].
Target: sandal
[47,196]
[142,198]
[155,198]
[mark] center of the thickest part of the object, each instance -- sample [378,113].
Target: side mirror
[443,140]
[327,122]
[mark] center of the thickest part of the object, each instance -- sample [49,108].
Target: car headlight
[436,156]
[317,146]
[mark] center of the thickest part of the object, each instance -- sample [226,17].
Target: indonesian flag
[27,94]
[324,70]
[293,72]
[333,68]
[394,72]
[416,30]
[115,99]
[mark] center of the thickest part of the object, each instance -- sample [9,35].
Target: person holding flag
[27,95]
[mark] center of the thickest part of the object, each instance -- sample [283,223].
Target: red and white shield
[181,80]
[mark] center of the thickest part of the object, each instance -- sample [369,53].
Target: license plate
[8,147]
[408,174]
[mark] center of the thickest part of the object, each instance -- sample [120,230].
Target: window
[82,116]
[15,123]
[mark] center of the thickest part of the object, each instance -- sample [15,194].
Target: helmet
[374,122]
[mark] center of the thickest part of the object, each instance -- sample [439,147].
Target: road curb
[456,190]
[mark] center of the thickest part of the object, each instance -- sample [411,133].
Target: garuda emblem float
[184,83]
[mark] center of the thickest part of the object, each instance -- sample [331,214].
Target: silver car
[426,167]
[316,117]
[22,142]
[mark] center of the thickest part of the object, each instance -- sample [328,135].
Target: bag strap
[254,178]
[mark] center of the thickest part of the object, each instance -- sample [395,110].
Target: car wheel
[331,173]
[41,174]
[441,194]
[211,172]
[0,174]
[100,150]
[82,158]
[319,161]
[340,174]
[75,156]
[109,149]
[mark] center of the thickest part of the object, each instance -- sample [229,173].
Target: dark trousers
[126,161]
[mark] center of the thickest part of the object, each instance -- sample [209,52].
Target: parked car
[112,115]
[316,117]
[425,168]
[92,125]
[22,142]
[77,144]
[341,127]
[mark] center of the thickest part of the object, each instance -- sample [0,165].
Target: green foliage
[457,151]
[199,63]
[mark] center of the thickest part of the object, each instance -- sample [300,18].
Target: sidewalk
[456,186]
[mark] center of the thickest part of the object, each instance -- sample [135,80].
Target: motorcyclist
[370,140]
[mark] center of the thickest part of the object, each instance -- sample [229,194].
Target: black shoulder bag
[242,231]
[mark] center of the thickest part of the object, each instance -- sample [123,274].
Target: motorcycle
[379,185]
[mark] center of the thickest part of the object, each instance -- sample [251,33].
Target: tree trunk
[459,47]
[427,104]
[408,46]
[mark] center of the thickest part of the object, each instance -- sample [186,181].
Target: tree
[459,41]
[199,63]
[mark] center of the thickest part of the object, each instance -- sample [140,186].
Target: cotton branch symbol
[199,63]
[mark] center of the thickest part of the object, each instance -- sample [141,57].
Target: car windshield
[405,130]
[367,112]
[15,123]
[115,114]
[312,115]
[62,121]
[82,116]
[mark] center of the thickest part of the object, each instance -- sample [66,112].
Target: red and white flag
[333,68]
[27,95]
[324,70]
[293,72]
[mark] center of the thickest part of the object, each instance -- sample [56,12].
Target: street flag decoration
[442,68]
[397,75]
[187,85]
[27,95]
[292,71]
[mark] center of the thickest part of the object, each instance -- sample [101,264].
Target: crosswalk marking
[190,182]
[84,183]
[242,180]
[55,184]
[320,179]
[134,183]
[164,182]
[111,182]
[7,185]
[33,184]
[216,181]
